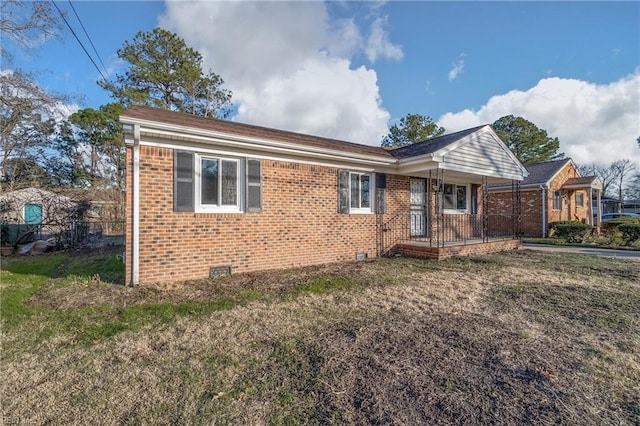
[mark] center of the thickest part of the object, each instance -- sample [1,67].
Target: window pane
[461,197]
[229,183]
[448,202]
[355,191]
[209,187]
[365,191]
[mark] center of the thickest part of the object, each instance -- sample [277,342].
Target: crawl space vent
[219,271]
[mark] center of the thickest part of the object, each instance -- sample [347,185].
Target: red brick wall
[299,223]
[569,209]
[416,250]
[530,205]
[500,202]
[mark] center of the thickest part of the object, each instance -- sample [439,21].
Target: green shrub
[572,232]
[610,228]
[630,232]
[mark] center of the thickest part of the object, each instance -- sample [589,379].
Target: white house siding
[486,156]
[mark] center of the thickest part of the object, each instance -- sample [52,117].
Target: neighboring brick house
[554,191]
[206,196]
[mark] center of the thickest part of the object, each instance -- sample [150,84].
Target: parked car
[610,216]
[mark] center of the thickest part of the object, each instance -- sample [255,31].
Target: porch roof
[583,182]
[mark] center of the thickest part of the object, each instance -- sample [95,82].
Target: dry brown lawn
[516,338]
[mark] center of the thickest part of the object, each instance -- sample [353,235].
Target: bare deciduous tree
[27,23]
[606,174]
[623,169]
[27,120]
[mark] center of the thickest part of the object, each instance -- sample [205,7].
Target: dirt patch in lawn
[85,291]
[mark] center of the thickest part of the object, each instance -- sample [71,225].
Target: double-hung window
[455,198]
[360,192]
[356,192]
[579,199]
[219,184]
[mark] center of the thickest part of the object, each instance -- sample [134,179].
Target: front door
[418,207]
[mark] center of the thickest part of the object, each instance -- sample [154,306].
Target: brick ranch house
[554,191]
[207,196]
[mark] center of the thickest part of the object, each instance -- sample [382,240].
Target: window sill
[360,211]
[229,210]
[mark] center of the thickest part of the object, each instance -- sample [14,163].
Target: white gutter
[544,211]
[135,192]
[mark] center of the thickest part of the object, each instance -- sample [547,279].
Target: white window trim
[210,208]
[468,200]
[363,210]
[581,204]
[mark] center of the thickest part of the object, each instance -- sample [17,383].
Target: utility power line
[78,40]
[89,38]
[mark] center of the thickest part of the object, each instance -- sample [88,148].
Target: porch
[448,235]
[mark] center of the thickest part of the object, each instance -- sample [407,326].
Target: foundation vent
[361,255]
[219,271]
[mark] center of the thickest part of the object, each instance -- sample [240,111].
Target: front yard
[516,338]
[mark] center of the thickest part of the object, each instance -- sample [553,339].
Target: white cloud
[344,38]
[595,123]
[378,44]
[288,65]
[458,67]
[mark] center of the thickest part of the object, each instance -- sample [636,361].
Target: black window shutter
[474,198]
[183,181]
[343,191]
[381,189]
[254,185]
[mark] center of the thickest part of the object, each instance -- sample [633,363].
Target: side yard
[521,337]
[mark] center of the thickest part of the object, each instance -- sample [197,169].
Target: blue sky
[349,69]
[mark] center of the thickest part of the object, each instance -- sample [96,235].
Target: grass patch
[108,267]
[321,285]
[21,279]
[523,337]
[591,241]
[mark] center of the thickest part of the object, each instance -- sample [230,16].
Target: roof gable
[593,182]
[478,151]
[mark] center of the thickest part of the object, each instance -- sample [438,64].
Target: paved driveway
[631,254]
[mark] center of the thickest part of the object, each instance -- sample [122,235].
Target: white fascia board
[171,131]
